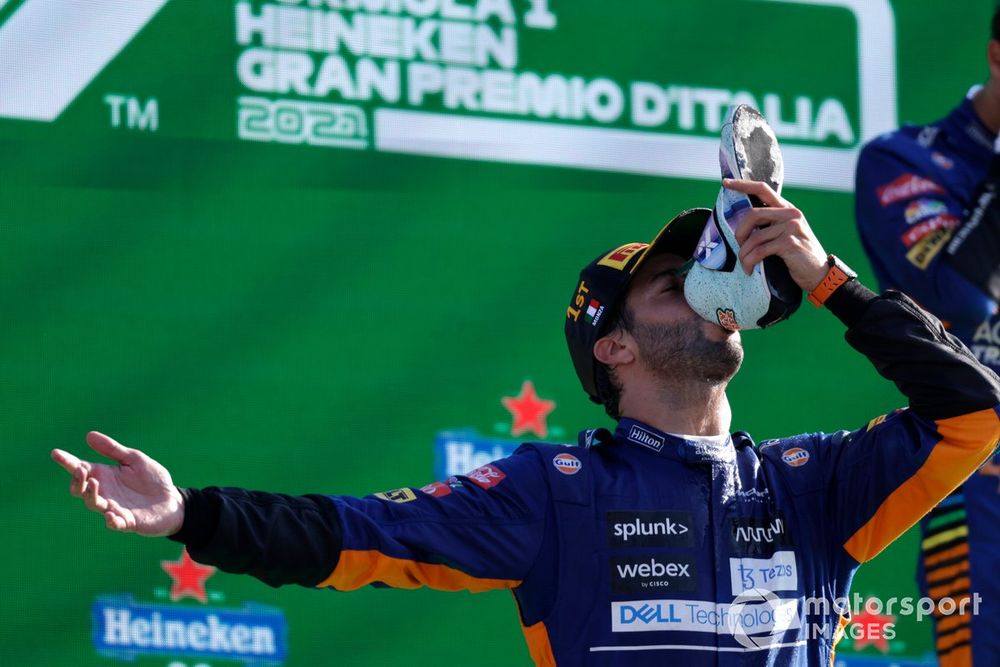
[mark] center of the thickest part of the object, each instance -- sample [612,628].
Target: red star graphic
[529,411]
[871,629]
[189,577]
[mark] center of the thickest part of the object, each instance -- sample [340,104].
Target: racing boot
[716,287]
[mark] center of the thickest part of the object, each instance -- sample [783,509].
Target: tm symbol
[130,112]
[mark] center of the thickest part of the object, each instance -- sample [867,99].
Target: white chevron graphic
[52,49]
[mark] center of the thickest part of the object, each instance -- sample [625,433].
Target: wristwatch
[838,274]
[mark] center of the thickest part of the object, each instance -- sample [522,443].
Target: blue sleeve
[905,219]
[478,531]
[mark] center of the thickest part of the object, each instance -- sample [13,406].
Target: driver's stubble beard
[682,352]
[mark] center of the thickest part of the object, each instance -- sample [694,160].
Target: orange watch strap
[834,278]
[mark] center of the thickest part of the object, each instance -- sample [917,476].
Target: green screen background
[305,319]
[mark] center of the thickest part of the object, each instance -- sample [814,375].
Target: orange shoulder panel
[966,441]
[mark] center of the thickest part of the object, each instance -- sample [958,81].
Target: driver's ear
[993,58]
[614,349]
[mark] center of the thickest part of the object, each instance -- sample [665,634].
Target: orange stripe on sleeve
[938,592]
[946,642]
[966,441]
[357,568]
[539,647]
[954,552]
[951,622]
[946,573]
[959,657]
[962,602]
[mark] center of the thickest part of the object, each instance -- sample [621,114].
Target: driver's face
[656,296]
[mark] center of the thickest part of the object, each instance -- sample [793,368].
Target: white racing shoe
[717,287]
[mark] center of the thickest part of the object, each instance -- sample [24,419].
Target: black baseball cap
[603,286]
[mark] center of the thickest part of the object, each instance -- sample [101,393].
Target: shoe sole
[749,149]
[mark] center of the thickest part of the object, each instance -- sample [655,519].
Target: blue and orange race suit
[639,547]
[928,218]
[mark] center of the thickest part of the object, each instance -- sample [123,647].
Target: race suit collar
[686,448]
[969,132]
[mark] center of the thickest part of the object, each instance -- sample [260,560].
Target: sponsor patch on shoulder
[795,457]
[906,187]
[875,422]
[881,418]
[927,227]
[923,208]
[440,489]
[486,477]
[927,248]
[437,489]
[398,495]
[942,160]
[567,464]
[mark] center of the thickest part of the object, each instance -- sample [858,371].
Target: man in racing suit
[928,218]
[668,539]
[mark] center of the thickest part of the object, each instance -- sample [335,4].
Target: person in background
[929,220]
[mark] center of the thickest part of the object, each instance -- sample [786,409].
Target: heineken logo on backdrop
[459,451]
[449,78]
[125,629]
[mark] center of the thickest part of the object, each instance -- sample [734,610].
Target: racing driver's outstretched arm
[475,532]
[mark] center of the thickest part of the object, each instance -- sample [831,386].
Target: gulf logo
[567,464]
[795,457]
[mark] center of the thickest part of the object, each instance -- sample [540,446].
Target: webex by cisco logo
[642,573]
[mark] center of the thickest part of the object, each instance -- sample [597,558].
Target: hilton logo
[641,436]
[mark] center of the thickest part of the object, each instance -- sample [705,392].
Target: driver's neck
[688,408]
